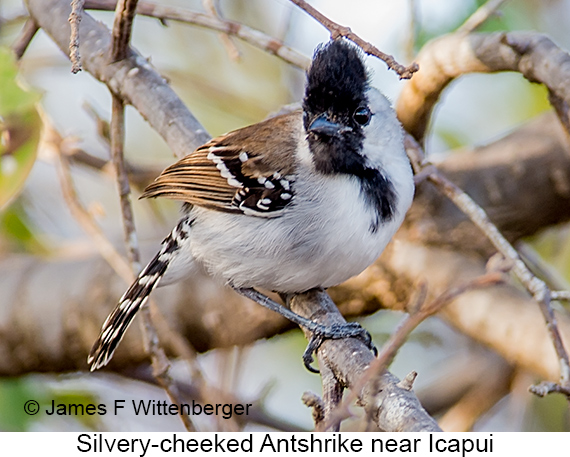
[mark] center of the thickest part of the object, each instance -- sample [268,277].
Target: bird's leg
[319,332]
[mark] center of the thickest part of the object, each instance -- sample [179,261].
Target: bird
[302,200]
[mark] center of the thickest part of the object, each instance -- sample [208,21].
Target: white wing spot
[285,196]
[243,157]
[213,157]
[234,182]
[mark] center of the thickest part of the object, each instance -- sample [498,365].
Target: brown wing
[249,170]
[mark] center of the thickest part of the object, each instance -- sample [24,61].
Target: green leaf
[19,130]
[14,393]
[19,231]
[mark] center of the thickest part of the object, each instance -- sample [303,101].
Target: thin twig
[117,141]
[74,20]
[316,403]
[160,363]
[121,35]
[560,295]
[231,28]
[84,218]
[27,33]
[233,52]
[123,269]
[545,388]
[410,44]
[535,286]
[122,28]
[161,367]
[337,31]
[479,17]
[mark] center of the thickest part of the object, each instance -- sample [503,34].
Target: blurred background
[226,92]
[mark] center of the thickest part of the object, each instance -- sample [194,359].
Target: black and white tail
[135,297]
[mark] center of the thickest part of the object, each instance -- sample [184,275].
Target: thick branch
[450,56]
[521,187]
[391,406]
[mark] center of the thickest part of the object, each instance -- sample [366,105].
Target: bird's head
[341,112]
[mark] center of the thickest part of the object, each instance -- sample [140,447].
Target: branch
[337,31]
[479,17]
[502,318]
[133,79]
[81,215]
[26,35]
[121,89]
[230,28]
[391,406]
[75,17]
[522,181]
[448,57]
[419,311]
[233,52]
[527,53]
[122,28]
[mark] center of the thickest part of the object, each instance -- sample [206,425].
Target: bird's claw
[335,332]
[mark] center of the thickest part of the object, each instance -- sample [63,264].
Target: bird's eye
[362,115]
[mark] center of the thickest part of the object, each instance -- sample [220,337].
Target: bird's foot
[320,333]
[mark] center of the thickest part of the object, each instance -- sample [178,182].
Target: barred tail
[135,297]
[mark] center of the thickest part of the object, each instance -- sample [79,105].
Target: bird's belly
[321,246]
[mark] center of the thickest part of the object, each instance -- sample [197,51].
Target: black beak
[322,126]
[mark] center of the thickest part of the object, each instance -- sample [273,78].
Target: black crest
[337,82]
[337,79]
